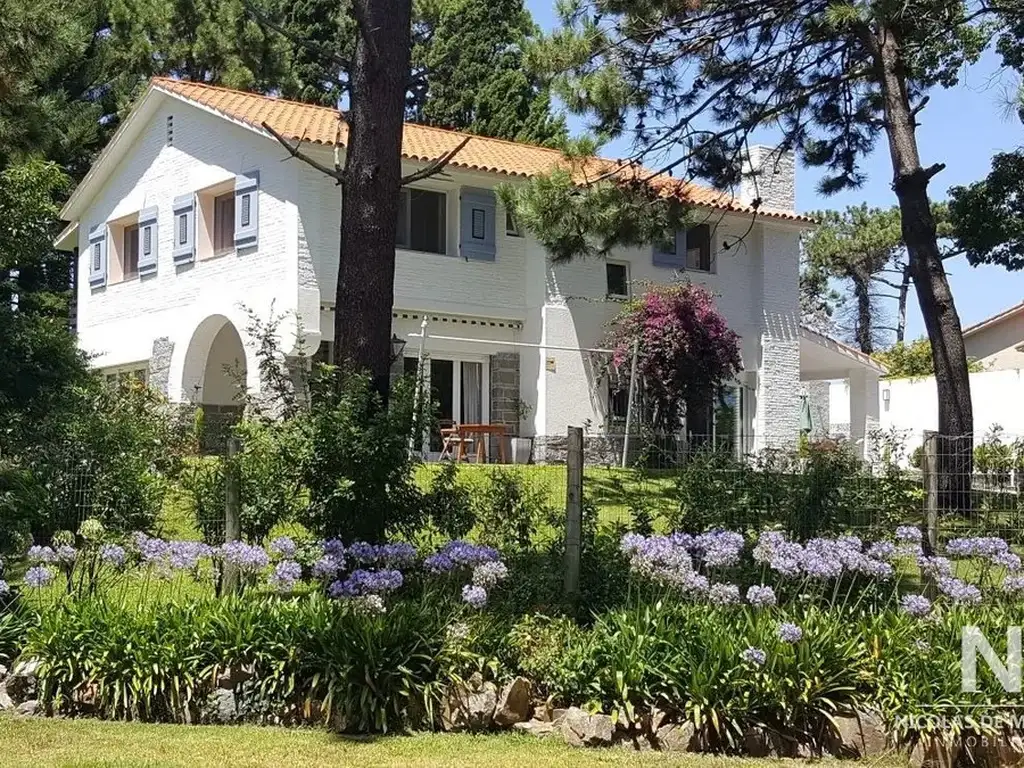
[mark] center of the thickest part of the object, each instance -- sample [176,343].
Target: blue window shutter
[247,209]
[184,231]
[98,256]
[477,219]
[148,241]
[671,259]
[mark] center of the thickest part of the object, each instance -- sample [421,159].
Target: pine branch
[436,166]
[335,173]
[263,20]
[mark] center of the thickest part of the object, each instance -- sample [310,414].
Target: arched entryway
[214,378]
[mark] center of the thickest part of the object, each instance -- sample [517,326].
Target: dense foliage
[685,352]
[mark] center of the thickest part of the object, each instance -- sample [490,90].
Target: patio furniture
[479,433]
[452,443]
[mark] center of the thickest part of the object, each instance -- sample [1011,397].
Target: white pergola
[825,359]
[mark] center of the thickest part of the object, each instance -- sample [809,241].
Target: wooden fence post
[930,485]
[573,512]
[232,511]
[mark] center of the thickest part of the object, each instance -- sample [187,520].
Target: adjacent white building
[194,215]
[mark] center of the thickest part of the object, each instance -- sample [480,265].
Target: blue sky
[961,127]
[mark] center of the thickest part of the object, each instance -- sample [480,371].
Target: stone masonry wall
[504,397]
[160,364]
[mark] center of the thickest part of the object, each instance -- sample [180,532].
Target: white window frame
[117,373]
[607,287]
[511,227]
[405,200]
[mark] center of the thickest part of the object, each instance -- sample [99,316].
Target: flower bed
[729,643]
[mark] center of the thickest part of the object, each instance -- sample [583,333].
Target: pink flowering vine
[686,351]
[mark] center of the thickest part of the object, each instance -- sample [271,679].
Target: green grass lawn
[46,743]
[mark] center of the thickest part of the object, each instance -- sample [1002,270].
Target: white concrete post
[864,411]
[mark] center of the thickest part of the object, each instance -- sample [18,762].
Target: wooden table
[478,433]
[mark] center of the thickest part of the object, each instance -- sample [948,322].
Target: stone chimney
[769,174]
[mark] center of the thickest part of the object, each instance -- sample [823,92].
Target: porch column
[864,411]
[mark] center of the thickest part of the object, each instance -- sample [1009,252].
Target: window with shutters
[224,224]
[423,221]
[97,257]
[130,252]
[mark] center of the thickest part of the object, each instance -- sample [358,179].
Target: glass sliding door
[472,411]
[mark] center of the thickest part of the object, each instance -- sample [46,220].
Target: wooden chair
[453,443]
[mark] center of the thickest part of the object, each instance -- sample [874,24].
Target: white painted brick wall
[119,322]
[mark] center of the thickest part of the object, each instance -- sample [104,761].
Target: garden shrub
[512,509]
[555,654]
[447,504]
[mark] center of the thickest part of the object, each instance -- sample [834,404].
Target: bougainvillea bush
[685,350]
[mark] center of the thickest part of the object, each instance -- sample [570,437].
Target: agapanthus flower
[718,549]
[876,569]
[916,605]
[724,594]
[185,555]
[112,554]
[5,588]
[460,554]
[1008,560]
[245,557]
[790,633]
[361,582]
[334,548]
[37,554]
[91,529]
[959,591]
[489,574]
[754,656]
[779,553]
[66,554]
[285,576]
[761,596]
[392,555]
[977,546]
[38,576]
[283,546]
[327,567]
[909,533]
[368,605]
[457,632]
[660,558]
[882,550]
[1013,584]
[474,595]
[934,566]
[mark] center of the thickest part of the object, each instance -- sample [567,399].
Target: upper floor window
[422,221]
[617,275]
[511,228]
[130,252]
[224,223]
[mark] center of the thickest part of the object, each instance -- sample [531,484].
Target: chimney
[769,174]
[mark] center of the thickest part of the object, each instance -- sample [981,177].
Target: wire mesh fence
[954,486]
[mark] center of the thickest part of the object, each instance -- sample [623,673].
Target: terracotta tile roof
[323,125]
[996,318]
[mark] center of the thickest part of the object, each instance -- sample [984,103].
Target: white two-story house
[194,215]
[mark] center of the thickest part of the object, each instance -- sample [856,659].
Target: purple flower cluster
[474,595]
[1007,560]
[394,555]
[113,554]
[790,633]
[246,557]
[724,594]
[38,576]
[1013,584]
[754,656]
[460,554]
[718,549]
[38,555]
[327,567]
[779,553]
[883,551]
[959,591]
[283,546]
[285,576]
[909,534]
[361,582]
[978,546]
[934,566]
[66,554]
[663,559]
[761,596]
[916,605]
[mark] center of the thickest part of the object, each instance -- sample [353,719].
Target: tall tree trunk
[910,182]
[901,310]
[373,176]
[862,293]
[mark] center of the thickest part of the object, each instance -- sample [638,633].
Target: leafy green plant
[447,504]
[511,510]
